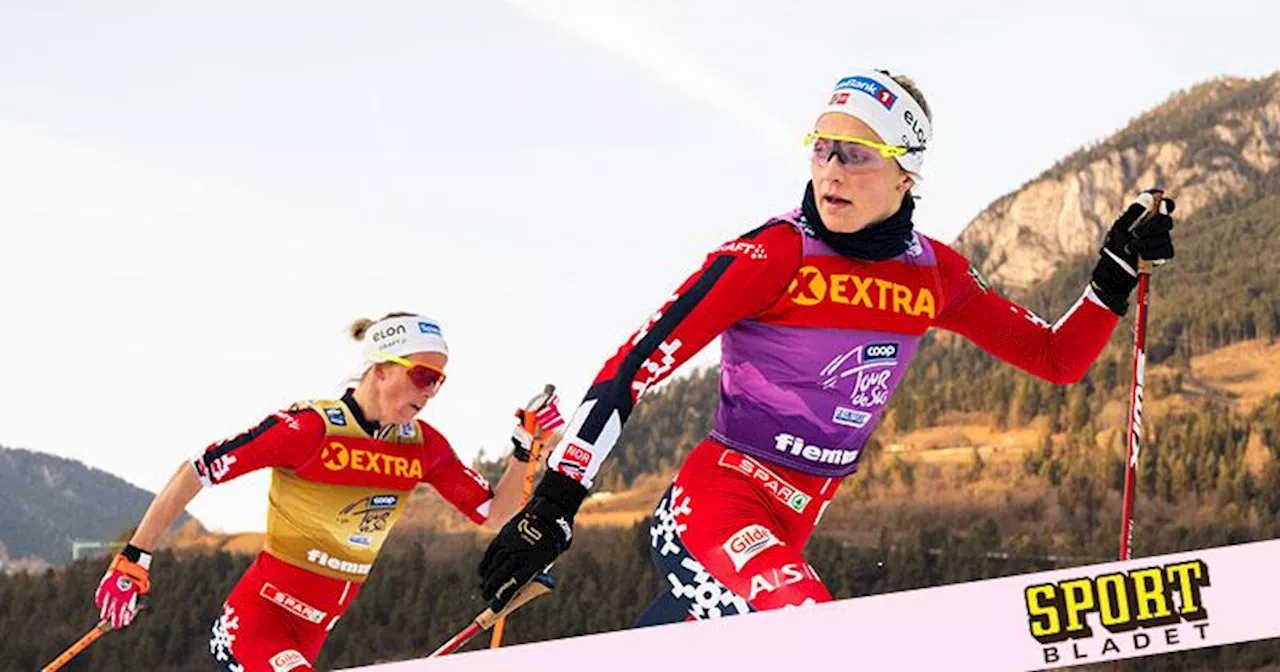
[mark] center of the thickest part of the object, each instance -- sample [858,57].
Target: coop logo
[429,328]
[1136,607]
[811,287]
[338,457]
[876,352]
[871,87]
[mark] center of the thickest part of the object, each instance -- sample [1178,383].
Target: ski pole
[102,628]
[1134,435]
[539,586]
[530,423]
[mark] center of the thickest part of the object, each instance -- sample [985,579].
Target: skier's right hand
[532,540]
[126,580]
[1138,234]
[547,422]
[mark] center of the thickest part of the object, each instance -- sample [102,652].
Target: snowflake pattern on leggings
[666,525]
[707,597]
[220,643]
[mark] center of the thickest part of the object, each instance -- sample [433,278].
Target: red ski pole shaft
[1134,434]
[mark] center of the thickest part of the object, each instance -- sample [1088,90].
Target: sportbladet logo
[1160,606]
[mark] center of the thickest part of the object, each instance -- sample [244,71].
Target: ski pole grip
[539,586]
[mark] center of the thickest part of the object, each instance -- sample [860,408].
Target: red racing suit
[338,484]
[813,344]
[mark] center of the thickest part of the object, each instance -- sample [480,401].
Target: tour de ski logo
[371,514]
[865,374]
[1143,611]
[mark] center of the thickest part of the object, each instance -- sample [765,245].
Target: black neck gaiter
[877,242]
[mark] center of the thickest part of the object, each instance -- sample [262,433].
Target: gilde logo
[749,542]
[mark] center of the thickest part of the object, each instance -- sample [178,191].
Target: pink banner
[1144,607]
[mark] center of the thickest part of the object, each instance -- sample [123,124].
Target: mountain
[969,439]
[46,502]
[1211,145]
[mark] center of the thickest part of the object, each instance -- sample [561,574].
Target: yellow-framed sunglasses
[423,376]
[854,153]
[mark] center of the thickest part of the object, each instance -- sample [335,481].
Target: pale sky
[197,198]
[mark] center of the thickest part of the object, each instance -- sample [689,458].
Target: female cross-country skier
[819,312]
[342,471]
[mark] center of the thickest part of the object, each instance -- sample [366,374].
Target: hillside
[46,502]
[1210,145]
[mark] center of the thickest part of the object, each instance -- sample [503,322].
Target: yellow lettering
[1044,619]
[402,468]
[883,285]
[902,299]
[1149,587]
[924,302]
[336,456]
[861,285]
[357,459]
[415,469]
[1181,574]
[1114,610]
[837,288]
[1077,599]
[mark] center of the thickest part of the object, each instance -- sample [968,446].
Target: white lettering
[871,389]
[795,445]
[346,566]
[788,574]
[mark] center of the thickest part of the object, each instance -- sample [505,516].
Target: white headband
[888,109]
[403,336]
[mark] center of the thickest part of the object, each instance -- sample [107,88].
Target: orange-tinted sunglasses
[423,376]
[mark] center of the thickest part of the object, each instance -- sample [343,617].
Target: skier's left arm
[1061,352]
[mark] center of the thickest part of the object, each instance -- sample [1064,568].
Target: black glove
[1129,239]
[531,540]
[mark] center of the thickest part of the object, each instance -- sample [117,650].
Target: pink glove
[126,580]
[546,419]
